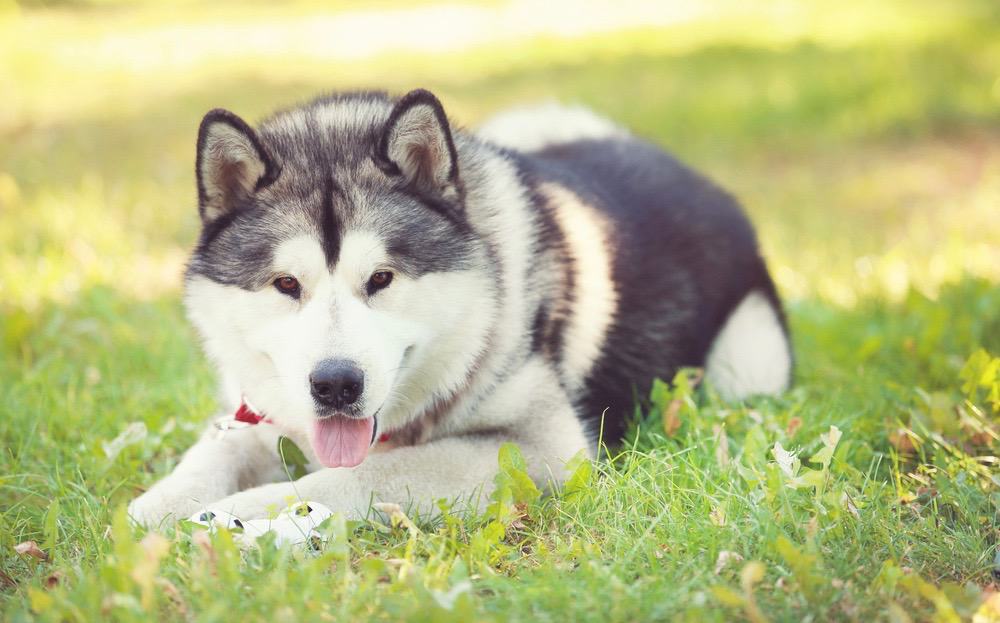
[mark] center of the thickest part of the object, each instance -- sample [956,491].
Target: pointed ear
[417,144]
[231,166]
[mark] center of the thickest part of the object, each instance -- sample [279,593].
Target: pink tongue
[342,441]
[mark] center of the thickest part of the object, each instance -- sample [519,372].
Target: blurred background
[862,135]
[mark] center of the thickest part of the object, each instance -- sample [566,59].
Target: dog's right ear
[231,166]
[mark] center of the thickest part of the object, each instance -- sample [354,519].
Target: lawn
[864,140]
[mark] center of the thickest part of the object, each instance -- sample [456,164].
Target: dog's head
[337,282]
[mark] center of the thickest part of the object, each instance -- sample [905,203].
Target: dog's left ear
[417,144]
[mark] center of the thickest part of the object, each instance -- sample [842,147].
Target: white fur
[230,472]
[458,468]
[596,297]
[215,467]
[270,343]
[451,340]
[265,344]
[751,354]
[531,128]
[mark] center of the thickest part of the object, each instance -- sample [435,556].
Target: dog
[400,297]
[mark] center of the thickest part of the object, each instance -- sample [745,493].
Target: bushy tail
[534,127]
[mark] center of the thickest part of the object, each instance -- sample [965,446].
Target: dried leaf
[721,446]
[30,548]
[397,517]
[53,579]
[133,433]
[671,417]
[793,427]
[901,440]
[726,557]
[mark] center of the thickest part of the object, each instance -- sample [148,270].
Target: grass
[865,143]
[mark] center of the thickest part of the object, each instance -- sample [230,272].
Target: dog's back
[690,287]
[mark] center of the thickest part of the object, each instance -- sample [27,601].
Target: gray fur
[684,254]
[326,170]
[542,290]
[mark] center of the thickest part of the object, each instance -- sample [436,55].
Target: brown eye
[379,280]
[288,285]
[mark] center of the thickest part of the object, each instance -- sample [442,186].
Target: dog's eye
[379,280]
[289,286]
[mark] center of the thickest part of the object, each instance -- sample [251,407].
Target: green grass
[865,143]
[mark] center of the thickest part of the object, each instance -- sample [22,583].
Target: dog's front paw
[167,502]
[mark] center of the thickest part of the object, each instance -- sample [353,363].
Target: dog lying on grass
[400,297]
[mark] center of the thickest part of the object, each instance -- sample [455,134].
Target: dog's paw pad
[295,525]
[215,518]
[205,517]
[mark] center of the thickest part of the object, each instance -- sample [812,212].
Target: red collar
[248,415]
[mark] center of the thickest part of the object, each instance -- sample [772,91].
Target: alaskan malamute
[400,297]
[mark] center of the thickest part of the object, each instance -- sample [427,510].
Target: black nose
[337,383]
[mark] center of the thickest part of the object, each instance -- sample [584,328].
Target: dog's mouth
[343,441]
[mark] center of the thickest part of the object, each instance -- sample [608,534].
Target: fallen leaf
[53,579]
[396,516]
[671,417]
[30,548]
[726,557]
[133,433]
[901,440]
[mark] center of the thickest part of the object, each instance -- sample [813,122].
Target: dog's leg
[217,466]
[529,409]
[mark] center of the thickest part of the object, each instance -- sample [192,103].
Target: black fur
[685,255]
[553,272]
[220,115]
[329,225]
[309,163]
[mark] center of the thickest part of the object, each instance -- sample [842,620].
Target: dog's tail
[535,127]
